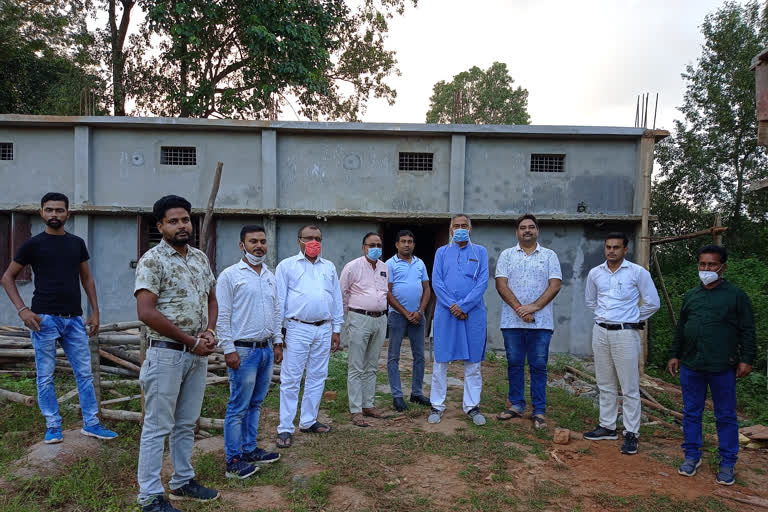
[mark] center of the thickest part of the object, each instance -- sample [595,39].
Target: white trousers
[473,385]
[306,347]
[616,358]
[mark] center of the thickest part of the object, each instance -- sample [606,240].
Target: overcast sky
[583,62]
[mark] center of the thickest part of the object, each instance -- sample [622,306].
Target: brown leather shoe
[373,413]
[359,421]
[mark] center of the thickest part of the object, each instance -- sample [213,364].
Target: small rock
[329,396]
[561,436]
[663,473]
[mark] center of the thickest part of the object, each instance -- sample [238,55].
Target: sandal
[359,421]
[284,440]
[508,415]
[316,428]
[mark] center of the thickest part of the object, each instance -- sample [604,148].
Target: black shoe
[159,504]
[629,447]
[399,404]
[421,400]
[259,456]
[194,491]
[600,433]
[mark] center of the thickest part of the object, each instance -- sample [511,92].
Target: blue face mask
[374,253]
[460,235]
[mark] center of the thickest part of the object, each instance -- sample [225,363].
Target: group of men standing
[295,317]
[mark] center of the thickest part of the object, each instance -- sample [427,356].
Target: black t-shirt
[55,260]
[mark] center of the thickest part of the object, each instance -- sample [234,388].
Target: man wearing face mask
[459,277]
[623,296]
[714,344]
[364,285]
[249,331]
[312,313]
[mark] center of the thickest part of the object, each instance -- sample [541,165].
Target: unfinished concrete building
[349,177]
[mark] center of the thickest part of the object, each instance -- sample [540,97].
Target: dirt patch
[435,477]
[53,459]
[345,497]
[267,497]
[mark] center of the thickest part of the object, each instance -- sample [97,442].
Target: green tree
[246,58]
[713,154]
[479,96]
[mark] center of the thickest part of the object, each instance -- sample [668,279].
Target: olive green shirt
[181,284]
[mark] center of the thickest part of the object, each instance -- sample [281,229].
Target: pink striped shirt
[362,287]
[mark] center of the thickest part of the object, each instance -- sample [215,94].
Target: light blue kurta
[460,276]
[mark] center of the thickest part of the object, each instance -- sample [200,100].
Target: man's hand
[414,317]
[277,351]
[232,359]
[526,310]
[456,311]
[529,319]
[673,365]
[92,325]
[743,370]
[335,341]
[463,316]
[31,320]
[207,344]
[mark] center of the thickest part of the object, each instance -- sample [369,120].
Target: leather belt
[173,345]
[369,313]
[253,344]
[318,323]
[62,315]
[617,327]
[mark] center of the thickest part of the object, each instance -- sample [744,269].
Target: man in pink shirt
[364,286]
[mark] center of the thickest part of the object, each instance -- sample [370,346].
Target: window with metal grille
[6,150]
[149,236]
[178,155]
[547,163]
[415,161]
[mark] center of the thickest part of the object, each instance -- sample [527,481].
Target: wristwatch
[421,312]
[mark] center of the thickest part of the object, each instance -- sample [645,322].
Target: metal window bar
[151,236]
[415,161]
[178,155]
[547,163]
[6,150]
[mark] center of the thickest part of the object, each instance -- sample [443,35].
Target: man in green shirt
[714,343]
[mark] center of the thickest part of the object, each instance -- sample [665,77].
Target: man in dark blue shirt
[59,261]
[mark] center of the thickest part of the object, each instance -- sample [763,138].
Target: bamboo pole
[664,292]
[17,397]
[120,399]
[714,230]
[118,339]
[120,326]
[115,414]
[124,355]
[209,210]
[717,238]
[21,353]
[125,364]
[68,395]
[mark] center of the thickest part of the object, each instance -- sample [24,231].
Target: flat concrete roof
[417,129]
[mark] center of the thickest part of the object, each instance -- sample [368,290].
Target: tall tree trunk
[117,40]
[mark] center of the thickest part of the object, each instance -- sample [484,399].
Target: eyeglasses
[306,239]
[373,245]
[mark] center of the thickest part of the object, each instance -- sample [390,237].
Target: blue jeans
[70,332]
[533,344]
[723,388]
[248,385]
[398,326]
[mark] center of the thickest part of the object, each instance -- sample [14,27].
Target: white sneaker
[435,416]
[477,417]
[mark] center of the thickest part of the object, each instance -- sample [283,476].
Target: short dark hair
[618,234]
[454,217]
[714,249]
[251,228]
[55,196]
[305,226]
[528,216]
[404,232]
[370,233]
[166,203]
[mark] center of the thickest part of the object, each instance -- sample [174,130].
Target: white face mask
[708,276]
[254,260]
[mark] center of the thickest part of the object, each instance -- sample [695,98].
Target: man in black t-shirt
[60,263]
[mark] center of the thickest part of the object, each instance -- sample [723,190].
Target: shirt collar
[624,264]
[301,256]
[518,248]
[168,248]
[245,266]
[414,258]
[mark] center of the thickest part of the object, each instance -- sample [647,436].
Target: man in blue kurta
[459,278]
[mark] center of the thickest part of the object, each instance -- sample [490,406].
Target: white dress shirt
[309,292]
[616,296]
[248,306]
[528,278]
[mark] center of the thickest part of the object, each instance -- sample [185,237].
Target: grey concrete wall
[599,174]
[126,167]
[335,172]
[43,162]
[112,249]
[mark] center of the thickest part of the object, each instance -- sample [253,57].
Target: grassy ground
[396,466]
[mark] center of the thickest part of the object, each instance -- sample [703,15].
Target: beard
[179,239]
[53,223]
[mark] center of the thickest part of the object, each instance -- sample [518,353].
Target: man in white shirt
[364,286]
[624,297]
[248,327]
[528,277]
[312,314]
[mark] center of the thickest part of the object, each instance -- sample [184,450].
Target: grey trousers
[365,337]
[174,384]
